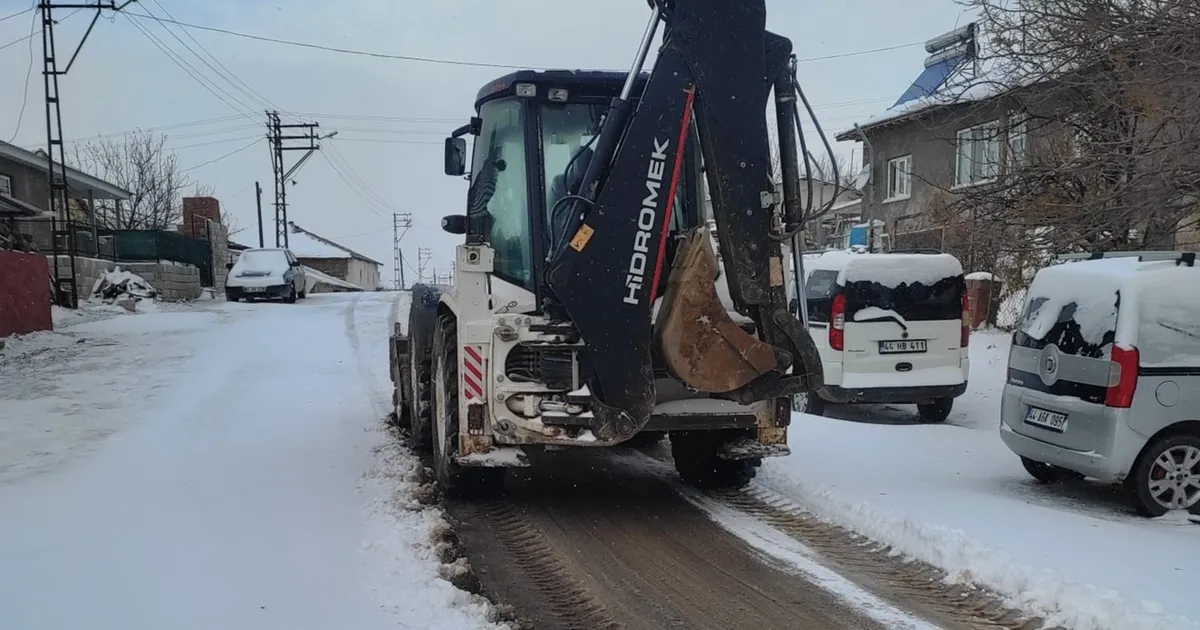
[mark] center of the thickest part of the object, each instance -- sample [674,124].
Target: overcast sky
[391,115]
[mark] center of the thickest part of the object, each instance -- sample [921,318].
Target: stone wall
[174,281]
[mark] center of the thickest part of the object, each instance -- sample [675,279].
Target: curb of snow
[1039,592]
[405,513]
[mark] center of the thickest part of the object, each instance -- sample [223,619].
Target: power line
[249,91]
[214,160]
[186,67]
[451,62]
[17,14]
[36,31]
[208,144]
[28,75]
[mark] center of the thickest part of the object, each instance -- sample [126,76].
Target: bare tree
[1099,140]
[139,163]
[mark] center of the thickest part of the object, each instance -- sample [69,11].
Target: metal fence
[155,245]
[81,239]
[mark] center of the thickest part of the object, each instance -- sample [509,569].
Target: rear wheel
[1048,473]
[454,480]
[1167,476]
[937,411]
[697,463]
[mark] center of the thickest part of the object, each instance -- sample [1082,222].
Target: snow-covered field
[956,497]
[214,466]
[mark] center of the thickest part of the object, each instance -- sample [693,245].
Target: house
[333,259]
[948,132]
[24,187]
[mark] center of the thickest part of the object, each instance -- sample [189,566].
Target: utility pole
[66,292]
[399,220]
[258,191]
[303,138]
[424,255]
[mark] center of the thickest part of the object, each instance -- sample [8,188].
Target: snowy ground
[213,466]
[956,497]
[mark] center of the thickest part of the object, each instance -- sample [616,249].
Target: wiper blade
[883,318]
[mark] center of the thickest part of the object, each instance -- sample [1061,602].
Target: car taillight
[966,321]
[1122,377]
[837,322]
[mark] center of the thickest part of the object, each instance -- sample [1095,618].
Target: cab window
[498,203]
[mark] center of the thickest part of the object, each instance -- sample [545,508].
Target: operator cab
[532,144]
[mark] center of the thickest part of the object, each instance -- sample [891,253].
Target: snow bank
[892,270]
[980,275]
[955,497]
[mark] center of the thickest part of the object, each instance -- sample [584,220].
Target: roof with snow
[306,244]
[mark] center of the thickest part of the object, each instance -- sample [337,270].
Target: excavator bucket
[699,341]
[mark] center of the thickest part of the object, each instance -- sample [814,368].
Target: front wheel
[937,411]
[291,296]
[1167,476]
[454,480]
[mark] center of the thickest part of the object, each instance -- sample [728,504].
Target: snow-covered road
[214,466]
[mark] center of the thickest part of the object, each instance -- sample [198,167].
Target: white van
[890,328]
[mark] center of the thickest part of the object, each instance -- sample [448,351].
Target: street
[246,485]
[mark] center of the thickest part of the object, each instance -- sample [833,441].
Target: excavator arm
[717,66]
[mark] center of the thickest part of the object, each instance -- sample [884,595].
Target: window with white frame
[899,178]
[5,185]
[978,154]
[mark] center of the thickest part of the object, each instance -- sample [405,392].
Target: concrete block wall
[174,281]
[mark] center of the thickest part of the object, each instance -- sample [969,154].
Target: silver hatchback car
[1104,376]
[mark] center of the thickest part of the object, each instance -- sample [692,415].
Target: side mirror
[229,265]
[295,264]
[454,224]
[456,156]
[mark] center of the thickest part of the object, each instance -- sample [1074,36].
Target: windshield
[568,131]
[268,260]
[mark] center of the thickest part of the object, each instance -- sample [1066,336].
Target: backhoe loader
[589,307]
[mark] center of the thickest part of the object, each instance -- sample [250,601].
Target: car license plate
[1045,419]
[256,289]
[907,346]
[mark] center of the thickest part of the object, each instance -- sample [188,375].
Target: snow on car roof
[892,270]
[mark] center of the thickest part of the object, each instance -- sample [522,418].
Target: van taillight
[1122,377]
[837,322]
[966,321]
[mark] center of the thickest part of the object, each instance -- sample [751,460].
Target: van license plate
[1048,420]
[908,346]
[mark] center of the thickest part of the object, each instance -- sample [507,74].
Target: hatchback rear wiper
[883,318]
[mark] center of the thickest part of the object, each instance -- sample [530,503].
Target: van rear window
[1085,329]
[939,301]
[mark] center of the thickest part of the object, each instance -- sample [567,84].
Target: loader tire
[697,463]
[455,480]
[420,392]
